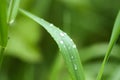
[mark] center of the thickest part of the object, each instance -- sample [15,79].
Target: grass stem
[1,56]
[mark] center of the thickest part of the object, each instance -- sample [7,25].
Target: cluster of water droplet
[62,34]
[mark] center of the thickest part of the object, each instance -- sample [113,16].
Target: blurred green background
[32,54]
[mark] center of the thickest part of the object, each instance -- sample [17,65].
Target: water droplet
[61,42]
[71,40]
[72,57]
[65,33]
[51,24]
[74,46]
[75,66]
[62,34]
[11,22]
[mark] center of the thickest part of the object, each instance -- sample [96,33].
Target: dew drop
[74,46]
[51,24]
[11,22]
[65,33]
[72,57]
[75,66]
[62,34]
[61,42]
[71,40]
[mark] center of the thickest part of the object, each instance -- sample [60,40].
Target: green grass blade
[3,24]
[1,56]
[3,29]
[56,68]
[12,10]
[113,39]
[66,45]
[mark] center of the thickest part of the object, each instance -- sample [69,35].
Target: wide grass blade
[66,45]
[12,10]
[113,39]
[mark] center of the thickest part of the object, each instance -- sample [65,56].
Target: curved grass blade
[12,10]
[66,45]
[113,39]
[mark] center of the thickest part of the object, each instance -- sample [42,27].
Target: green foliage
[3,24]
[32,54]
[12,10]
[22,43]
[66,45]
[113,39]
[3,29]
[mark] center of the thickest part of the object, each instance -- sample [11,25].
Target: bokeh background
[32,54]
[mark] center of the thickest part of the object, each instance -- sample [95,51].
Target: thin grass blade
[3,24]
[56,68]
[12,11]
[3,29]
[113,39]
[1,56]
[66,45]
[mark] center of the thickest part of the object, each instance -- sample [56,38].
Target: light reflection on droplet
[74,46]
[65,33]
[62,34]
[11,22]
[61,42]
[75,66]
[71,40]
[72,57]
[51,24]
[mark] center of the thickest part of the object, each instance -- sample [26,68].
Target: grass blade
[113,39]
[3,24]
[3,29]
[57,66]
[66,45]
[12,10]
[1,56]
